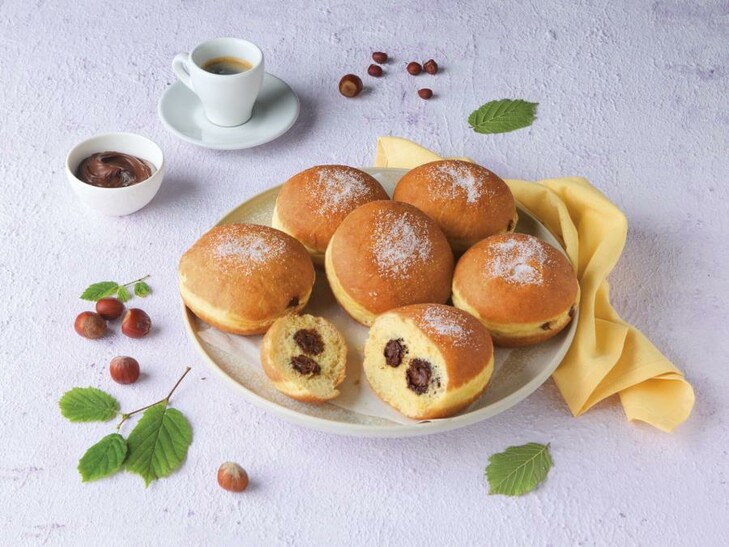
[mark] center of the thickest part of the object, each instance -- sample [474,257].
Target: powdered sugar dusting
[247,251]
[400,242]
[519,261]
[340,189]
[447,323]
[459,180]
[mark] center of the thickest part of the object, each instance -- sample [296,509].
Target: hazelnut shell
[350,85]
[232,477]
[136,323]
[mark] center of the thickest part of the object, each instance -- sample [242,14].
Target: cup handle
[179,67]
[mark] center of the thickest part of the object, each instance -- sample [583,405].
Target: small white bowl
[116,201]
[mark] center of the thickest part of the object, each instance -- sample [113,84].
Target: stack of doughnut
[390,265]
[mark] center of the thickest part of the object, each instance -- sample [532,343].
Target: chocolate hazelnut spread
[418,376]
[309,341]
[305,365]
[394,352]
[113,170]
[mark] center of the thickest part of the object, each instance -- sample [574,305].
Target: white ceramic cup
[227,99]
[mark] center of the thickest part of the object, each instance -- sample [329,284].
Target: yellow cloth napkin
[607,355]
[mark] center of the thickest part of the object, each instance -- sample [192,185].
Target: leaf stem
[188,369]
[136,280]
[166,400]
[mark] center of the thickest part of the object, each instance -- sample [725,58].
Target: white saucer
[275,111]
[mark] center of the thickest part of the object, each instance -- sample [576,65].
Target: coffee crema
[226,66]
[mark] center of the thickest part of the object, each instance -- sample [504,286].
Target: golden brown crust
[468,201]
[242,277]
[521,341]
[515,279]
[462,339]
[447,411]
[312,204]
[388,254]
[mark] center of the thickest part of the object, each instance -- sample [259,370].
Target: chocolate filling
[571,313]
[309,341]
[510,226]
[545,326]
[305,365]
[418,376]
[293,302]
[394,352]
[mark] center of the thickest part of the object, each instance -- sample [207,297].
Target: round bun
[305,357]
[388,254]
[428,361]
[240,278]
[467,201]
[522,289]
[312,204]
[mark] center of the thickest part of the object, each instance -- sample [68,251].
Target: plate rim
[213,146]
[395,430]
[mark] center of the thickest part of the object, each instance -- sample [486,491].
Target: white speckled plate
[275,111]
[517,373]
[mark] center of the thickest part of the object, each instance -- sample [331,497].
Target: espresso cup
[227,99]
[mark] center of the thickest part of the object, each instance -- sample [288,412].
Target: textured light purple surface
[632,95]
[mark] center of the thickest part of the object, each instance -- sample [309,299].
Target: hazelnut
[90,325]
[124,370]
[425,93]
[430,66]
[379,57]
[350,85]
[109,308]
[136,323]
[232,477]
[374,70]
[414,68]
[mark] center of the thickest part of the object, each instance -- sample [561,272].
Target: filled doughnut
[521,288]
[388,254]
[468,201]
[240,278]
[305,357]
[311,204]
[428,360]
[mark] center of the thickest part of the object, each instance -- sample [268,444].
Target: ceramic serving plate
[518,372]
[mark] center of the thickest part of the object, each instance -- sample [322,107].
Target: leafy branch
[156,446]
[103,289]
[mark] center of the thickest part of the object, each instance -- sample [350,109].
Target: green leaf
[100,290]
[519,469]
[123,294]
[503,116]
[88,404]
[104,458]
[141,289]
[158,444]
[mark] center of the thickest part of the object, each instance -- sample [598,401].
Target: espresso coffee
[226,65]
